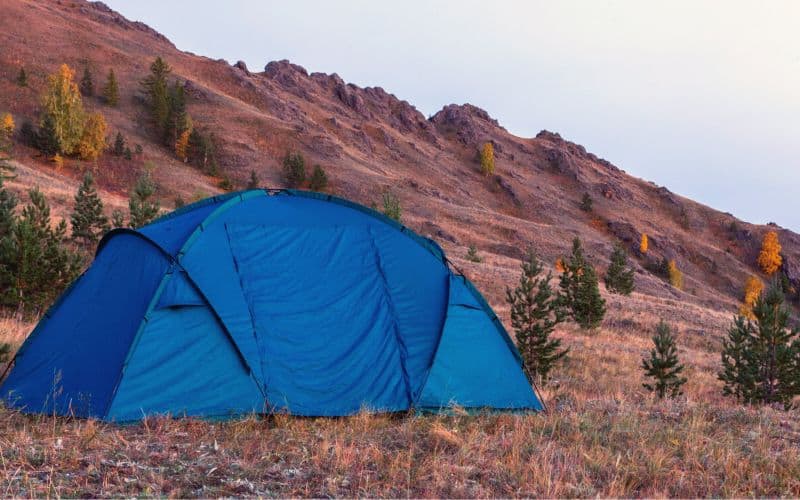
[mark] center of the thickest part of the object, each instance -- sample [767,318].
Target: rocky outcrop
[103,13]
[348,95]
[242,66]
[562,162]
[291,77]
[471,124]
[627,234]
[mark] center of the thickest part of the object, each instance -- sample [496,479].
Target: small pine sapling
[663,365]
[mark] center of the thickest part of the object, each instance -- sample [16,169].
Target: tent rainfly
[267,301]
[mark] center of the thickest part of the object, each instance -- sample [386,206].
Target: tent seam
[251,313]
[135,341]
[225,329]
[438,343]
[398,338]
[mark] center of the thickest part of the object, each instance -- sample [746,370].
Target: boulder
[242,66]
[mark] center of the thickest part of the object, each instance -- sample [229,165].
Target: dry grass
[602,436]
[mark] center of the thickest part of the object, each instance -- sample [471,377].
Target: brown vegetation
[603,435]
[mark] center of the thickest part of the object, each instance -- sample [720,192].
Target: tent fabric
[267,301]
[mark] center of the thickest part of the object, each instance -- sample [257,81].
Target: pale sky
[702,97]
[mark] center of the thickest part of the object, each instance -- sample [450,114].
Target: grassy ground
[602,436]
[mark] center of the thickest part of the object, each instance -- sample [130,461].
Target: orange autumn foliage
[93,140]
[769,259]
[752,290]
[487,159]
[7,124]
[182,145]
[644,244]
[675,275]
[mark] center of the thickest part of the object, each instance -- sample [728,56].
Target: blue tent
[267,301]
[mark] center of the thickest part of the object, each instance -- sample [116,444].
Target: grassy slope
[602,436]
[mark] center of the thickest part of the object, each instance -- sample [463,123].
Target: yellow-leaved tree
[58,160]
[643,244]
[487,159]
[182,145]
[7,125]
[675,275]
[63,105]
[769,259]
[752,290]
[93,140]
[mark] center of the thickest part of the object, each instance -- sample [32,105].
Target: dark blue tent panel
[259,302]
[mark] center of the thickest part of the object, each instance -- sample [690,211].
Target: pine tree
[28,134]
[35,262]
[294,169]
[391,206]
[225,183]
[93,140]
[119,144]
[63,105]
[111,90]
[619,277]
[88,221]
[5,352]
[663,366]
[200,150]
[586,202]
[319,179]
[487,159]
[117,219]
[87,83]
[535,312]
[253,182]
[769,259]
[22,78]
[8,205]
[472,254]
[127,153]
[6,133]
[141,207]
[761,358]
[157,90]
[177,121]
[47,138]
[580,294]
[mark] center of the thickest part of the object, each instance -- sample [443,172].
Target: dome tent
[267,301]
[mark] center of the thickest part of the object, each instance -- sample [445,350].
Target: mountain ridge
[370,141]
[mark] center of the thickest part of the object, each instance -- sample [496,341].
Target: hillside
[370,141]
[604,436]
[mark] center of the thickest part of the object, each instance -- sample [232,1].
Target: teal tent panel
[323,315]
[178,291]
[417,281]
[183,363]
[172,230]
[475,366]
[210,265]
